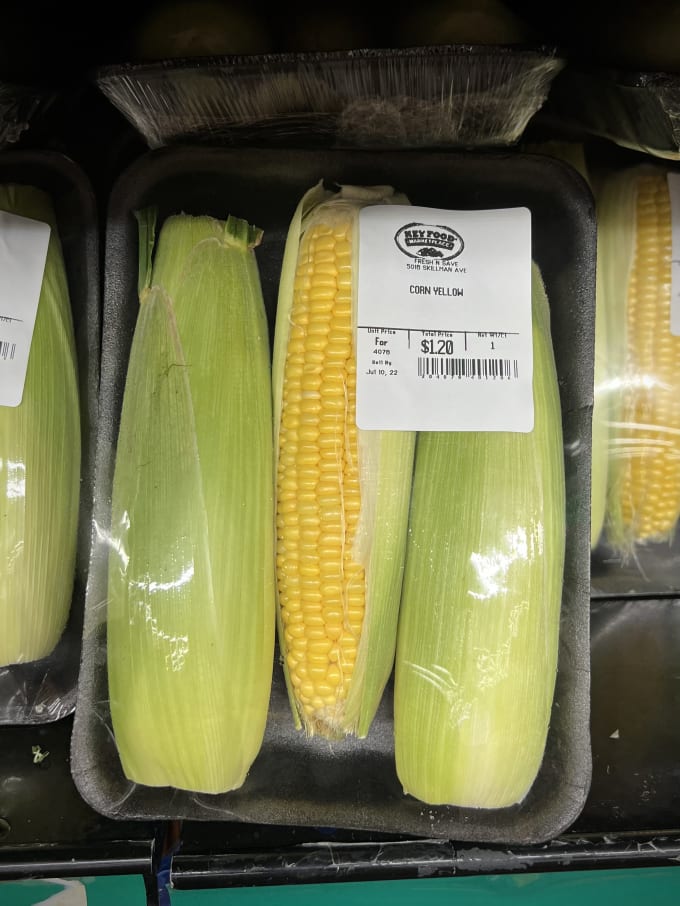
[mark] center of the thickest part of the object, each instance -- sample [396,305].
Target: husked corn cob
[644,358]
[342,493]
[479,622]
[40,449]
[191,606]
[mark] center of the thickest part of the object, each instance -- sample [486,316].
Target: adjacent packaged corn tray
[637,418]
[49,377]
[40,435]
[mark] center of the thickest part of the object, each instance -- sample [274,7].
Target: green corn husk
[385,463]
[40,465]
[479,623]
[191,593]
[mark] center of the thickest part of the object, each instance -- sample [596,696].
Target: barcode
[481,369]
[7,350]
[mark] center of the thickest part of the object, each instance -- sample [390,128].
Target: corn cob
[40,465]
[342,493]
[191,569]
[479,622]
[643,381]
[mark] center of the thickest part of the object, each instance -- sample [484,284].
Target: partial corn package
[48,370]
[637,110]
[447,73]
[39,437]
[343,489]
[190,592]
[630,91]
[635,550]
[437,96]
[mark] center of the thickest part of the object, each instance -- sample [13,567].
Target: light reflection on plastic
[641,426]
[492,568]
[108,539]
[10,783]
[631,382]
[442,680]
[184,578]
[178,644]
[16,479]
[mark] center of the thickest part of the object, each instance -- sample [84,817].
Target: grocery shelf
[314,863]
[46,829]
[657,887]
[631,819]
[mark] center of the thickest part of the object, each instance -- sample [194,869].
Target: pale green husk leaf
[191,596]
[479,624]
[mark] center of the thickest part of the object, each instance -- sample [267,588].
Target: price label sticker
[444,332]
[23,253]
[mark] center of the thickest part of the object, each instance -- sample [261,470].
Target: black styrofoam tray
[45,690]
[635,651]
[353,783]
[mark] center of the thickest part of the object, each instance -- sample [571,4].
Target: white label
[23,252]
[674,192]
[444,339]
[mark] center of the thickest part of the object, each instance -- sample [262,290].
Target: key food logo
[429,241]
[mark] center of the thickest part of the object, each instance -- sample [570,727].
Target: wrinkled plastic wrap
[637,110]
[19,107]
[39,687]
[455,96]
[351,783]
[636,421]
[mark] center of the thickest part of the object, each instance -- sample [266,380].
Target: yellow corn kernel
[644,491]
[322,479]
[651,495]
[318,256]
